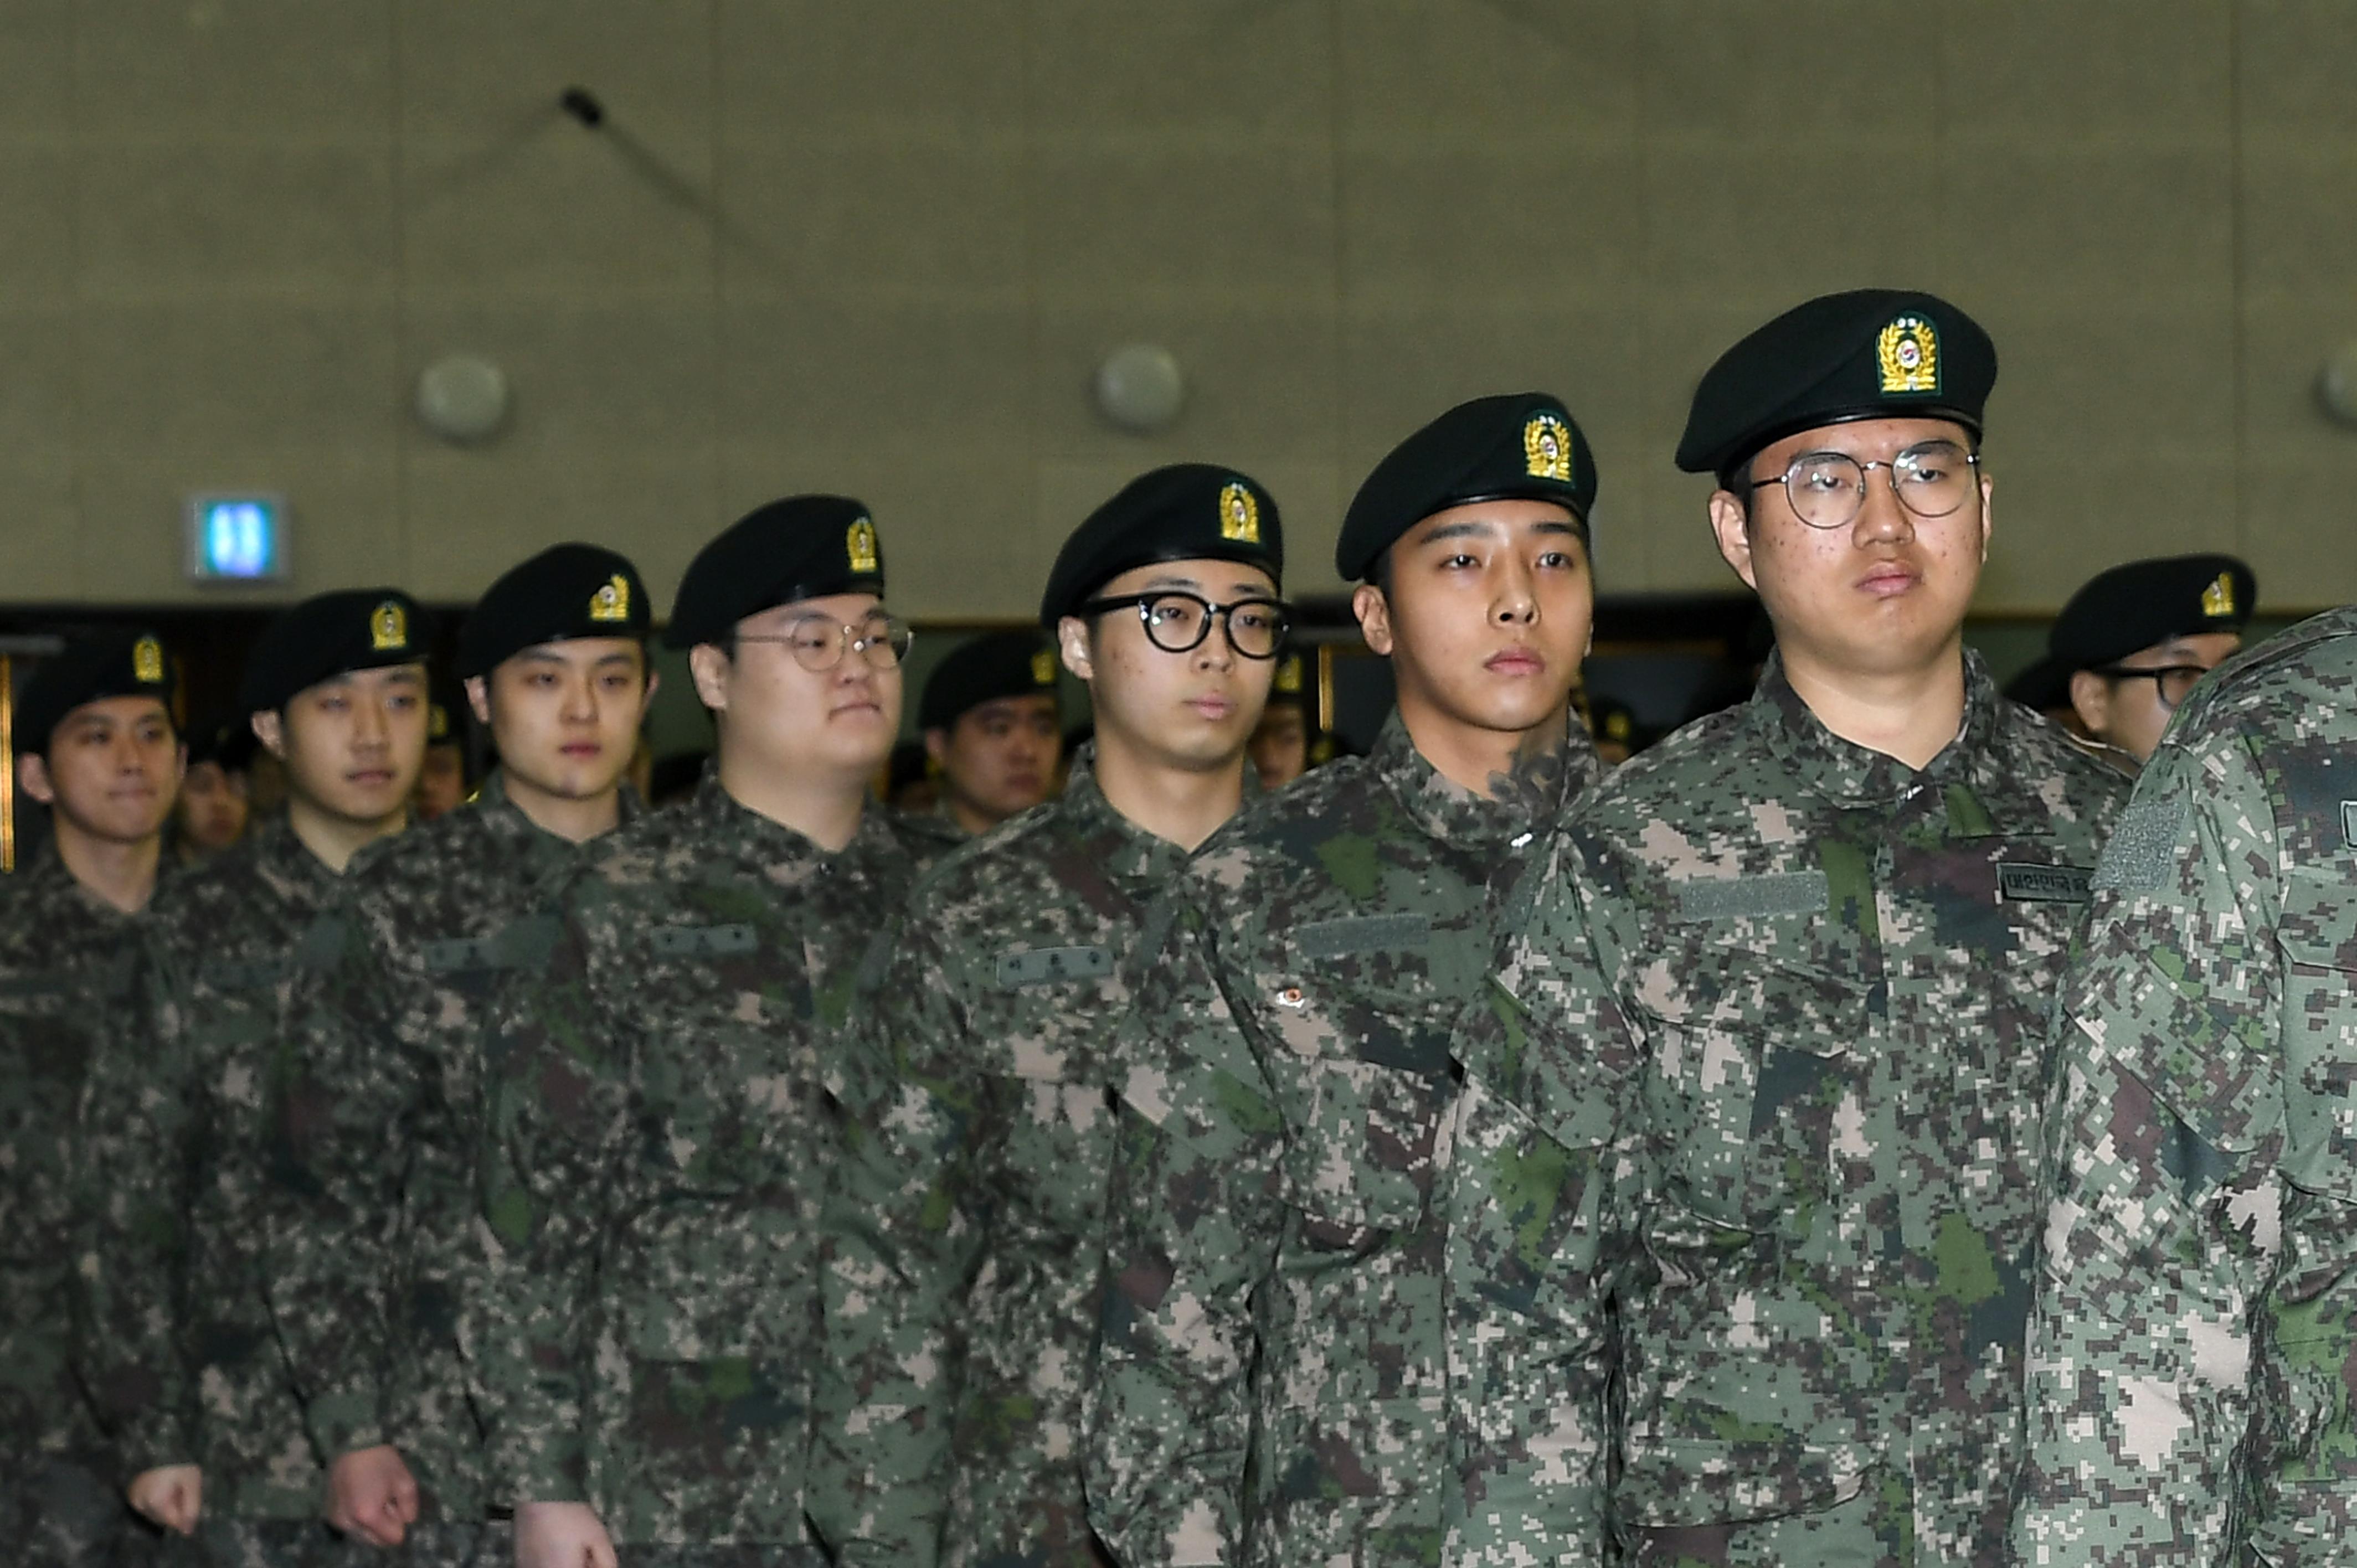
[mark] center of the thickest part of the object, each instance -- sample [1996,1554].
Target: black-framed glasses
[1827,489]
[819,642]
[1178,622]
[2172,682]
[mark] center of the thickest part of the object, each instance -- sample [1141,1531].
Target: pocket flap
[1366,1158]
[2318,923]
[1747,993]
[1690,1480]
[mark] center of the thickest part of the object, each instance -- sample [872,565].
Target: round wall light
[2336,386]
[1140,388]
[462,398]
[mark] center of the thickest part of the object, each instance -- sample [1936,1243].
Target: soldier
[1777,1006]
[213,808]
[98,748]
[2135,639]
[442,783]
[1020,957]
[179,1274]
[669,1087]
[2193,1346]
[992,728]
[1281,746]
[380,1131]
[1273,1363]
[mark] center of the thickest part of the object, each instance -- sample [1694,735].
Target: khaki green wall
[879,245]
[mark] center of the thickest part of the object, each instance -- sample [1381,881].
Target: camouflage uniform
[1273,1371]
[182,1113]
[667,1135]
[68,961]
[380,1130]
[1009,980]
[1815,981]
[2194,1347]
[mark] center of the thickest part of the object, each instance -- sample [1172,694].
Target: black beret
[1872,353]
[1188,512]
[445,711]
[91,669]
[803,547]
[2133,607]
[331,635]
[229,744]
[1288,690]
[566,591]
[1523,447]
[1002,664]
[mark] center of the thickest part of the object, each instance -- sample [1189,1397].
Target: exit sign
[237,538]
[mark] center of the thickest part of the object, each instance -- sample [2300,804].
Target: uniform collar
[49,882]
[287,865]
[491,809]
[1843,770]
[1128,852]
[1453,814]
[720,817]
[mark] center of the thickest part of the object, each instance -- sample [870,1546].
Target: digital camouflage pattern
[2194,1347]
[70,963]
[1017,964]
[668,1173]
[1810,984]
[381,1127]
[1272,1377]
[184,1167]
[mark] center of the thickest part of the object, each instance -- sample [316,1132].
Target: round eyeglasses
[1179,622]
[1827,489]
[818,644]
[2172,682]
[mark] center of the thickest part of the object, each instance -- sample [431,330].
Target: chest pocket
[1757,1087]
[729,1093]
[1363,1014]
[1054,1010]
[2317,934]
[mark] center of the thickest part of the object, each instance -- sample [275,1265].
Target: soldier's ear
[2090,699]
[707,665]
[33,776]
[479,697]
[270,729]
[1375,612]
[1072,644]
[1730,522]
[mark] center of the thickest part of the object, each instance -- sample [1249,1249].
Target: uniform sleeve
[554,1183]
[1193,1224]
[2163,1230]
[340,1130]
[136,1151]
[896,1250]
[1537,1188]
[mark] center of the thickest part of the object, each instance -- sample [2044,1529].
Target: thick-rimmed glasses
[1179,622]
[819,642]
[1827,489]
[2172,682]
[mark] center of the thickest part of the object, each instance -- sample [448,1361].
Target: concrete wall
[879,245]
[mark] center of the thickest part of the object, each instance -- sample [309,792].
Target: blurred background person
[993,728]
[214,803]
[2135,639]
